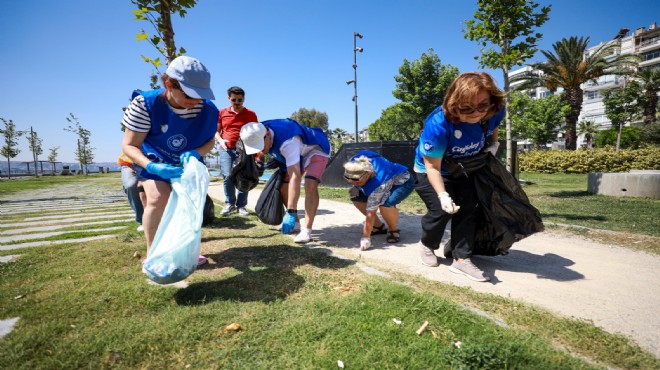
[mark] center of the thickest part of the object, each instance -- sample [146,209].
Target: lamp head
[357,34]
[359,49]
[350,82]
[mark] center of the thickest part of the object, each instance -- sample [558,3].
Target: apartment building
[642,42]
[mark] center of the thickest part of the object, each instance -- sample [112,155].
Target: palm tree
[589,129]
[650,81]
[569,67]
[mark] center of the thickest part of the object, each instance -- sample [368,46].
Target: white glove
[365,243]
[447,203]
[492,148]
[223,143]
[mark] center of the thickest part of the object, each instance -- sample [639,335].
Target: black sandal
[379,230]
[394,236]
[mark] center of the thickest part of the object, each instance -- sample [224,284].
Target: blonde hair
[464,88]
[358,165]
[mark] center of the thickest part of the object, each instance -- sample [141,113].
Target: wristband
[293,211]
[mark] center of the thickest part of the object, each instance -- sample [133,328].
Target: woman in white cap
[164,128]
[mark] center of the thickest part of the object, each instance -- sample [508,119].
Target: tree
[9,149]
[628,137]
[569,67]
[338,137]
[35,143]
[537,120]
[621,106]
[52,156]
[423,83]
[650,83]
[397,122]
[159,14]
[589,129]
[84,152]
[508,24]
[311,118]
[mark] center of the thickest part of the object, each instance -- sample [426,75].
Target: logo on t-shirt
[177,142]
[458,134]
[428,146]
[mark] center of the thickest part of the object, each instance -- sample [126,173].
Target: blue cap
[194,78]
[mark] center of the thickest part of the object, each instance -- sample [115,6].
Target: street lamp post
[356,49]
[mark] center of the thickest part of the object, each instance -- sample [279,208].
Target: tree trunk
[573,96]
[650,108]
[507,120]
[168,31]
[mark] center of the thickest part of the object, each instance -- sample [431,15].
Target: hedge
[589,160]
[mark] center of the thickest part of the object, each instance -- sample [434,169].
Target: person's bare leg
[157,194]
[311,201]
[391,216]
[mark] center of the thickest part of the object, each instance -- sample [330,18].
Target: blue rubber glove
[288,223]
[164,170]
[185,156]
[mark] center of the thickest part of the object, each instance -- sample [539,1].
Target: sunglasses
[481,109]
[234,100]
[351,179]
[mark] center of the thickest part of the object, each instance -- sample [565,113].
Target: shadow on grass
[574,217]
[267,274]
[570,194]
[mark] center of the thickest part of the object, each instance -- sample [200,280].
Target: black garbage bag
[270,208]
[504,214]
[245,171]
[209,211]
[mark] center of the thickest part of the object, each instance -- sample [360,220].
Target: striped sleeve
[136,116]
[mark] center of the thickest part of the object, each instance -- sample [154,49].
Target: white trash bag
[176,246]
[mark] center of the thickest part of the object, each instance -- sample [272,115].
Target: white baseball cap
[194,78]
[253,135]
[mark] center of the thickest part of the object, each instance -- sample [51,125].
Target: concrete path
[616,288]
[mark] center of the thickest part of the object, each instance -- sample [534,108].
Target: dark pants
[435,220]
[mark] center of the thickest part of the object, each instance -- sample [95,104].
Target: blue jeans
[129,181]
[227,159]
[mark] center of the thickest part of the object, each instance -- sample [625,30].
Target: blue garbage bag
[176,246]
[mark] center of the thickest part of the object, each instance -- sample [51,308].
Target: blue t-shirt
[442,138]
[384,169]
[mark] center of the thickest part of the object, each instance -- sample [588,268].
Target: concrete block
[637,183]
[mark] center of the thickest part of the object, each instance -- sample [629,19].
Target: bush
[630,137]
[590,160]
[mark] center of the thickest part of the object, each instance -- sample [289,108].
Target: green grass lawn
[89,306]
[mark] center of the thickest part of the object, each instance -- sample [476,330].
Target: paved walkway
[616,288]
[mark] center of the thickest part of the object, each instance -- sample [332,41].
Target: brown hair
[464,88]
[235,90]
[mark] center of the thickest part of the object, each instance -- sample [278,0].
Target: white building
[642,42]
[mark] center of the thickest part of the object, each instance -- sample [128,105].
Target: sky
[82,57]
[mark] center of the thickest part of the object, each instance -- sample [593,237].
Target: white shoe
[227,210]
[140,228]
[304,236]
[243,212]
